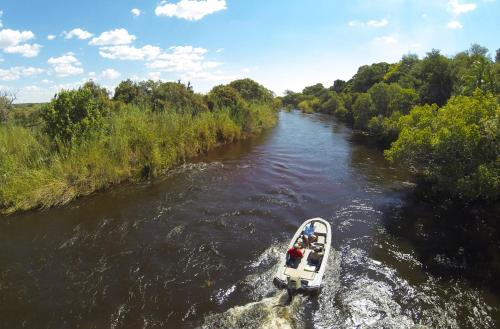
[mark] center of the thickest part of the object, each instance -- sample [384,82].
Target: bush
[455,147]
[251,91]
[128,143]
[73,114]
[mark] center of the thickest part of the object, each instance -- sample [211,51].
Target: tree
[127,91]
[291,99]
[363,110]
[388,99]
[436,79]
[7,99]
[332,104]
[317,91]
[497,57]
[338,86]
[73,114]
[252,92]
[454,147]
[474,69]
[368,75]
[177,97]
[403,72]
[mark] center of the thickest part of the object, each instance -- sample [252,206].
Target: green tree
[367,76]
[338,86]
[435,77]
[127,91]
[291,99]
[333,105]
[455,147]
[363,110]
[403,72]
[316,91]
[252,91]
[73,114]
[388,99]
[177,97]
[6,104]
[474,69]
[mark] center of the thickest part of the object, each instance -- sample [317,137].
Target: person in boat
[316,256]
[308,235]
[294,255]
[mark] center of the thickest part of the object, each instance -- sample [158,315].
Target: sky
[49,45]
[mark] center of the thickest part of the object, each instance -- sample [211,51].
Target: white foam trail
[271,312]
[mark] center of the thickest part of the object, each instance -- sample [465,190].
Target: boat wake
[271,312]
[268,308]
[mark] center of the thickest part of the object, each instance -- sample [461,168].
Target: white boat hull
[311,277]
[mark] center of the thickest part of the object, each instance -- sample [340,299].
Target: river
[199,247]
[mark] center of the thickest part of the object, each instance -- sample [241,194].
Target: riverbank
[214,231]
[437,116]
[62,160]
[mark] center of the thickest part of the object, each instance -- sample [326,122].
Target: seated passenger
[316,256]
[308,235]
[294,255]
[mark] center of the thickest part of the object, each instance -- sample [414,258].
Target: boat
[308,272]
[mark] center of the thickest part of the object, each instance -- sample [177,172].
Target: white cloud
[154,76]
[112,38]
[1,14]
[454,25]
[376,23]
[136,12]
[12,42]
[11,38]
[47,81]
[183,59]
[373,23]
[457,8]
[26,50]
[78,33]
[386,40]
[192,10]
[17,72]
[220,50]
[110,74]
[66,65]
[51,37]
[147,52]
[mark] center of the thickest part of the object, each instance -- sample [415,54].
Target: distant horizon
[284,45]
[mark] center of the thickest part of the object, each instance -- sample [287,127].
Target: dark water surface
[199,247]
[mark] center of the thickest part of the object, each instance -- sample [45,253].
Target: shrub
[455,147]
[73,114]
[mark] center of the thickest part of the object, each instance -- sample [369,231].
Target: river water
[199,247]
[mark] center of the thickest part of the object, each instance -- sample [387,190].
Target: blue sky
[284,44]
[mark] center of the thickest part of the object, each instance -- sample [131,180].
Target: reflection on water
[199,247]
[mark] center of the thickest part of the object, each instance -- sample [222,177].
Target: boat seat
[321,239]
[320,229]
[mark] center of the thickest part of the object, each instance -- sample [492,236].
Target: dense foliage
[456,146]
[86,141]
[440,113]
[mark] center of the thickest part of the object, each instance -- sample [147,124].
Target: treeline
[439,116]
[84,140]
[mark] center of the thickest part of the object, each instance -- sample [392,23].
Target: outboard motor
[293,286]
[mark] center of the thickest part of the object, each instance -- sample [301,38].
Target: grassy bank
[40,169]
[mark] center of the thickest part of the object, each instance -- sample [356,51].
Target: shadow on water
[451,241]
